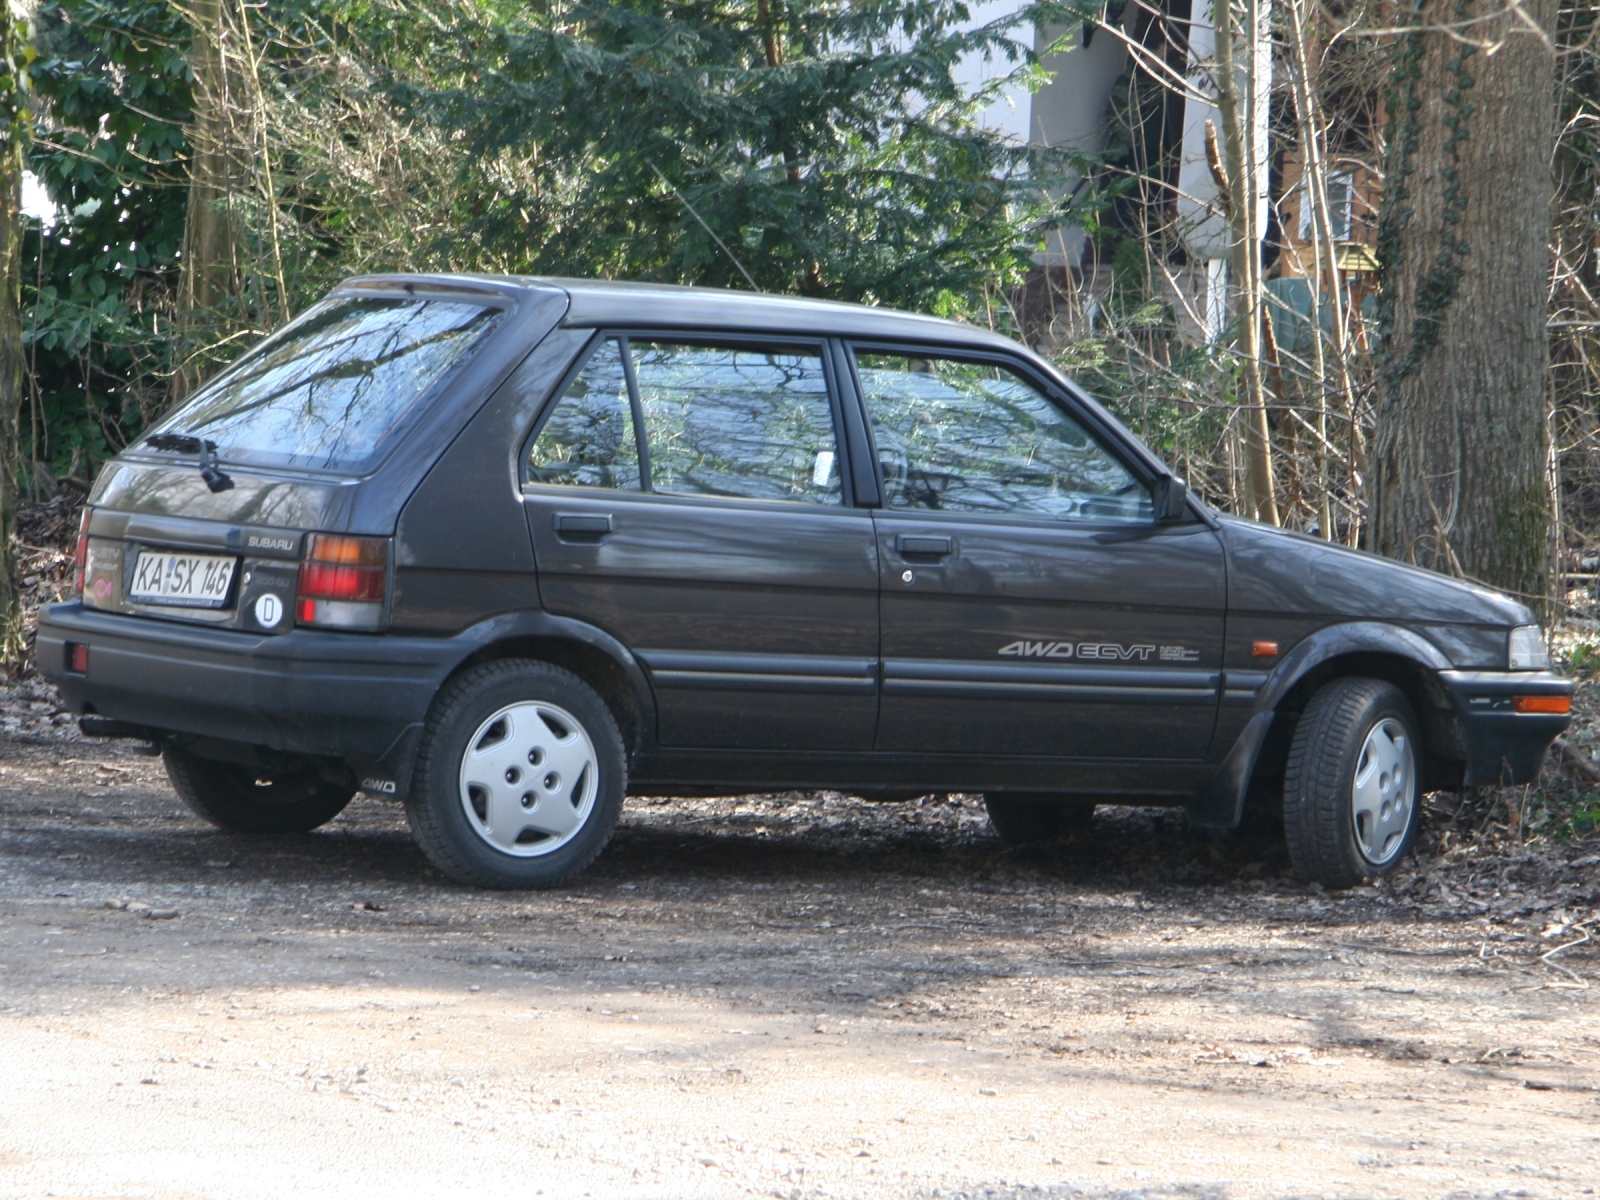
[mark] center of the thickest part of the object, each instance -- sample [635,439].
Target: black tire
[240,799]
[1328,843]
[1027,818]
[464,713]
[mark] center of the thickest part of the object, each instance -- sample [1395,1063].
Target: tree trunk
[1243,185]
[1460,466]
[14,36]
[210,270]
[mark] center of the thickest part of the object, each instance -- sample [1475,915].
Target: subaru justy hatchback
[505,549]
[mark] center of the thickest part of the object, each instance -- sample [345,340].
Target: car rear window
[335,388]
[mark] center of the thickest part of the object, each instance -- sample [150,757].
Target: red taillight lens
[78,657]
[343,582]
[322,581]
[80,556]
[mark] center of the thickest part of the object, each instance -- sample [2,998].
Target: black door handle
[924,546]
[583,524]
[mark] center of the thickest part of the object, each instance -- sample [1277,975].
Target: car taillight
[80,556]
[344,582]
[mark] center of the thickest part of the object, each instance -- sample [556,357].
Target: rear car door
[1031,604]
[720,546]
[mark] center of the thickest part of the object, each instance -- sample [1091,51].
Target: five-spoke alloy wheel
[519,778]
[1350,790]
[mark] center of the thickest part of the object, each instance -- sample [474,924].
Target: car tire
[241,800]
[1351,798]
[520,777]
[1024,819]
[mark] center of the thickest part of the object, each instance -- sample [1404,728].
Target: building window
[1341,202]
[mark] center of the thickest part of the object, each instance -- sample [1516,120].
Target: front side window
[333,391]
[972,437]
[588,440]
[745,421]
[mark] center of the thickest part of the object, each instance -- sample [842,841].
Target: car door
[720,546]
[1031,604]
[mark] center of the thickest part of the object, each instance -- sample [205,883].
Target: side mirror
[1170,497]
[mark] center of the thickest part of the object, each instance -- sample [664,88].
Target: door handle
[924,546]
[593,525]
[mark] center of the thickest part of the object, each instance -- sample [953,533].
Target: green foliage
[812,146]
[1583,658]
[98,289]
[817,146]
[1582,821]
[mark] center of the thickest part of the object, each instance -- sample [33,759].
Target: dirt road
[793,997]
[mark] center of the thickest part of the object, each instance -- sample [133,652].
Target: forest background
[216,165]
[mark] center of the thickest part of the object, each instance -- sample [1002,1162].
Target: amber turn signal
[1541,704]
[1263,649]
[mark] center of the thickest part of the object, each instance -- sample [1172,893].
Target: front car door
[721,546]
[1031,604]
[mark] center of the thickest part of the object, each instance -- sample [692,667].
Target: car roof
[597,302]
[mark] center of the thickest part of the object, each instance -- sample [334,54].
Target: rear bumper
[360,699]
[1499,745]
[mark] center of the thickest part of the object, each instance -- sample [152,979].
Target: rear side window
[588,441]
[338,385]
[744,421]
[752,422]
[972,437]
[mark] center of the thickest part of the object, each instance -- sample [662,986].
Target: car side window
[588,439]
[746,421]
[975,437]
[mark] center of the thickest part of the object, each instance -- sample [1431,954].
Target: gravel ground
[791,996]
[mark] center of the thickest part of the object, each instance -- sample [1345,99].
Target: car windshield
[337,386]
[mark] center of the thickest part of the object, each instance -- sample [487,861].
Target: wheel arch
[591,654]
[1366,649]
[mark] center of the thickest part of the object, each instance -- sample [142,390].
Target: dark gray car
[506,549]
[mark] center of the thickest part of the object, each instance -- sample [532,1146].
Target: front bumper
[1499,745]
[360,699]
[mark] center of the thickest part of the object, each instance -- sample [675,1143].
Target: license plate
[188,580]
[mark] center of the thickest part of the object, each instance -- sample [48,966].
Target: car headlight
[1528,651]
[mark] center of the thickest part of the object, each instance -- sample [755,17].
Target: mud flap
[1219,806]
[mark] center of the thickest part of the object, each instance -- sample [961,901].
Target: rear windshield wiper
[216,478]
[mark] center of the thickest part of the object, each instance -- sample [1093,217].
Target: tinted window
[734,421]
[588,440]
[337,385]
[977,438]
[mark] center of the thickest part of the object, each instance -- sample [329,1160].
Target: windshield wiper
[216,478]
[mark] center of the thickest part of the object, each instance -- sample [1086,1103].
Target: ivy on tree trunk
[1461,463]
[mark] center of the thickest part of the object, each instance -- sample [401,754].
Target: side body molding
[1220,804]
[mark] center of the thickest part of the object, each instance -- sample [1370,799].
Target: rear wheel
[1025,818]
[1350,794]
[243,800]
[519,779]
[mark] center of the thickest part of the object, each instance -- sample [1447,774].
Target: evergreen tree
[811,146]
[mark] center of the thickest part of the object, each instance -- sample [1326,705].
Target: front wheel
[519,779]
[240,799]
[1350,790]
